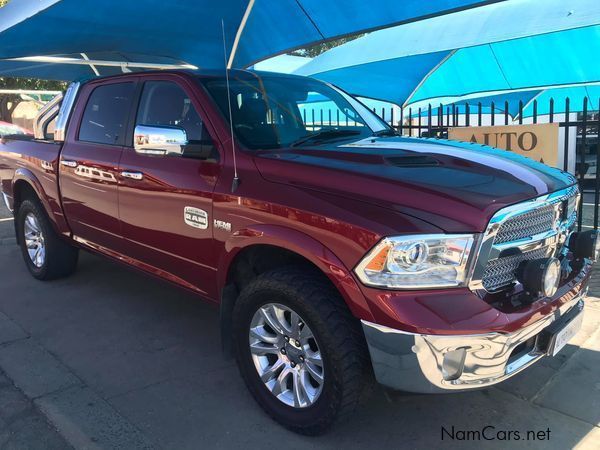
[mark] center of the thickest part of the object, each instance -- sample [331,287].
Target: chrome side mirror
[160,141]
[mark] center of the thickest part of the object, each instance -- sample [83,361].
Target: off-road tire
[347,369]
[60,257]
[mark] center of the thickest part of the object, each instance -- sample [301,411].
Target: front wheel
[299,350]
[46,255]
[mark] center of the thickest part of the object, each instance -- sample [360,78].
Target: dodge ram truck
[337,251]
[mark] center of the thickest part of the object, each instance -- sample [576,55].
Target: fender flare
[307,247]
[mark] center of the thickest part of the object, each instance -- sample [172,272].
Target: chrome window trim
[65,111]
[488,251]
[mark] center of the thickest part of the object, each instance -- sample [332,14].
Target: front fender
[303,245]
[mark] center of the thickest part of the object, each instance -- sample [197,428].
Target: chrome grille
[538,220]
[530,230]
[502,272]
[527,224]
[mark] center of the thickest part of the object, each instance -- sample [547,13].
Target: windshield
[273,111]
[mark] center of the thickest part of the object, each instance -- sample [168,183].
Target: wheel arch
[25,182]
[25,185]
[252,251]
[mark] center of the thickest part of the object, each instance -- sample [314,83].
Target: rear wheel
[300,351]
[46,255]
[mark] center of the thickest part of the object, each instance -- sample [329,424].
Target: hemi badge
[222,225]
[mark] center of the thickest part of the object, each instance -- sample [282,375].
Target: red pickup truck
[336,250]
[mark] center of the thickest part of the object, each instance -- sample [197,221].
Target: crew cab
[337,251]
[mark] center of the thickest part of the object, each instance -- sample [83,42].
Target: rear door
[166,190]
[89,161]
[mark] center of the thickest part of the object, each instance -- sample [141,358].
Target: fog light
[585,244]
[541,276]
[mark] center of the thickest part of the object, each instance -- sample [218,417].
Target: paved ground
[112,359]
[22,425]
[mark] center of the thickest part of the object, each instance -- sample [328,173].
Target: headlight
[418,261]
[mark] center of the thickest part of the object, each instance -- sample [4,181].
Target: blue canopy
[576,96]
[189,31]
[498,102]
[545,61]
[282,63]
[499,47]
[542,100]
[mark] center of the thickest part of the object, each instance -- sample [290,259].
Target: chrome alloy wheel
[286,355]
[34,240]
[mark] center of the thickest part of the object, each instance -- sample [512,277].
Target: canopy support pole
[28,92]
[93,67]
[238,35]
[101,63]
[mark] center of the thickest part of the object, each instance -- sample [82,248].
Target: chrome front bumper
[438,363]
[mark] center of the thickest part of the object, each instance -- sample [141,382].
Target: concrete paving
[110,358]
[22,425]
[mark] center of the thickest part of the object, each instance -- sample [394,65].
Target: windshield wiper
[386,132]
[324,135]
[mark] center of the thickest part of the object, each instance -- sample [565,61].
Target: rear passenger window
[105,116]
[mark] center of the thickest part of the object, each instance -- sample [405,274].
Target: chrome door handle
[132,175]
[68,163]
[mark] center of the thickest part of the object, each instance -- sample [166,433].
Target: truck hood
[453,185]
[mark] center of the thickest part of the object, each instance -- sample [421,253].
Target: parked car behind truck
[336,251]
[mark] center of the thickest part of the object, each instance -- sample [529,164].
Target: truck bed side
[32,164]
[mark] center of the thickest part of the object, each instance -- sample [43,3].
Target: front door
[90,161]
[166,189]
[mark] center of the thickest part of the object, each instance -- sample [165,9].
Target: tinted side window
[164,103]
[105,116]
